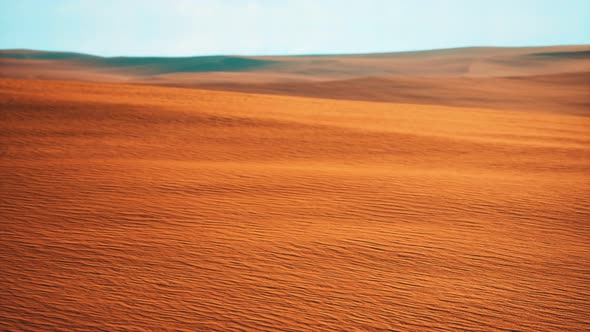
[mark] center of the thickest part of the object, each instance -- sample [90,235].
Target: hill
[552,79]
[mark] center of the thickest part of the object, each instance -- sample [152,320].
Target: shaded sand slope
[162,208]
[557,93]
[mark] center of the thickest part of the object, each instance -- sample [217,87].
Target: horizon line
[291,55]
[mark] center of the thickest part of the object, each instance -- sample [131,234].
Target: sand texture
[148,208]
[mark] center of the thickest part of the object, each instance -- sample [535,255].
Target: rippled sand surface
[148,208]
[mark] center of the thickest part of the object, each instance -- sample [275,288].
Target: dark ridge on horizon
[574,54]
[159,65]
[43,55]
[26,53]
[147,65]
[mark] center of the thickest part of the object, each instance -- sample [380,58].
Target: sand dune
[557,93]
[554,79]
[473,62]
[155,208]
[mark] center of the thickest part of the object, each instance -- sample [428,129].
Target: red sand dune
[567,93]
[553,79]
[128,207]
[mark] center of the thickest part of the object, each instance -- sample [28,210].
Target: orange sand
[552,79]
[151,208]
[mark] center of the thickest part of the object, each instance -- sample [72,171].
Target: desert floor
[135,207]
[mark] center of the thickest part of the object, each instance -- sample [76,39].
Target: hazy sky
[198,27]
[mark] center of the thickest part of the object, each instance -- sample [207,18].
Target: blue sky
[255,27]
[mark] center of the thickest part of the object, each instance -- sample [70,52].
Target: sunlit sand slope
[131,207]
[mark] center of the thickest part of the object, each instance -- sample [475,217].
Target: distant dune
[128,207]
[554,79]
[559,93]
[475,61]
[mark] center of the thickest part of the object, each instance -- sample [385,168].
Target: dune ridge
[551,79]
